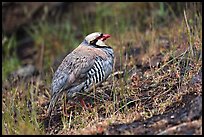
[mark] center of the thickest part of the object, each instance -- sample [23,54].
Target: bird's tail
[53,101]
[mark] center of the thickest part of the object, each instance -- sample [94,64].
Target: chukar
[85,67]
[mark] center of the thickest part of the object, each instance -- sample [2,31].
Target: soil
[183,117]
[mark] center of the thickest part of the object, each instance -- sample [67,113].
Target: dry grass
[163,68]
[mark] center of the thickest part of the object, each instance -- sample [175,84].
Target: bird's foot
[89,107]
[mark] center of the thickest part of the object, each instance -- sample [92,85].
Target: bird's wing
[80,69]
[85,60]
[73,69]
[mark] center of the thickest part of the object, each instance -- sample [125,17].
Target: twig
[70,118]
[189,32]
[41,56]
[125,105]
[171,61]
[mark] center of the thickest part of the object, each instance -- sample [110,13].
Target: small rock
[24,72]
[197,78]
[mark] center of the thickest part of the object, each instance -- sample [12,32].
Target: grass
[154,92]
[19,112]
[10,62]
[60,38]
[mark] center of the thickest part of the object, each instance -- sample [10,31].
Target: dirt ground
[155,101]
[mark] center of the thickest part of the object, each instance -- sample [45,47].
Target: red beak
[105,36]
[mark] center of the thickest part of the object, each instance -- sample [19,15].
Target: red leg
[89,106]
[83,103]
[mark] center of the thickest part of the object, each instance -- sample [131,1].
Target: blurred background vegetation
[56,28]
[41,34]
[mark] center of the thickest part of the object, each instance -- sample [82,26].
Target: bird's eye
[92,42]
[101,35]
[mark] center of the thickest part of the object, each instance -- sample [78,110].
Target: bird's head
[96,38]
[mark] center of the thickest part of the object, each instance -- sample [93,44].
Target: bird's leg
[89,106]
[84,105]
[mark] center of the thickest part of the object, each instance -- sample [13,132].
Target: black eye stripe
[101,35]
[93,42]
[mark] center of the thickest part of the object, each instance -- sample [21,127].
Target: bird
[85,68]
